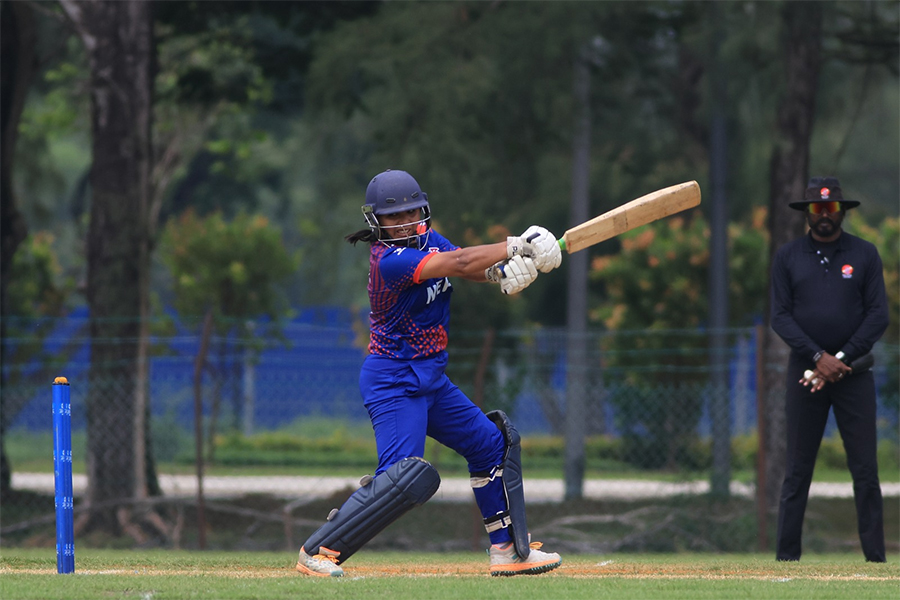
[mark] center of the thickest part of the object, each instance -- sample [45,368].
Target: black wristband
[818,355]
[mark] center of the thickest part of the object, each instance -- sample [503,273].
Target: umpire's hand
[832,368]
[828,369]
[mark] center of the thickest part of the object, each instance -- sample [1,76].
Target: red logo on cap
[825,192]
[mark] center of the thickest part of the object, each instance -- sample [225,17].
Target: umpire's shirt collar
[812,245]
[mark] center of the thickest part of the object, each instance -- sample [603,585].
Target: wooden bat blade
[646,209]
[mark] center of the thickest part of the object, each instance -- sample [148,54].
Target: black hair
[363,235]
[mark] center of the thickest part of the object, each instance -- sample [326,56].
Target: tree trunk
[118,37]
[789,173]
[17,71]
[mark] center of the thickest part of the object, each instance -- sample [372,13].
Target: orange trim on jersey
[421,266]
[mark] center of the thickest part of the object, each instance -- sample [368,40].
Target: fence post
[762,536]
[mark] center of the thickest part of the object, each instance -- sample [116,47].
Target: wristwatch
[818,355]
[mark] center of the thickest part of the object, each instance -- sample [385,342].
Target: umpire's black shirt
[829,296]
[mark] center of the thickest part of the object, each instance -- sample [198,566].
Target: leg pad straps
[510,472]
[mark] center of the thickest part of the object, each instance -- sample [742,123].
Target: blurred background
[177,178]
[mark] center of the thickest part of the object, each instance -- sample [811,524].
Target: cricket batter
[409,396]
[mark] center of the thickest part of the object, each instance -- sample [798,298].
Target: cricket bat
[643,210]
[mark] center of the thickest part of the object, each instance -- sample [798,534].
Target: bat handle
[562,244]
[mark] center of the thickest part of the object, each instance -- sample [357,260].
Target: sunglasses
[817,208]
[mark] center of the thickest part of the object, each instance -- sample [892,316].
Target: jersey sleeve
[398,267]
[438,243]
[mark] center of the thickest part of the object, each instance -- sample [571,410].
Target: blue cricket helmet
[392,192]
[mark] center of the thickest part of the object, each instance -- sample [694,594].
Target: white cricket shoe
[506,561]
[323,564]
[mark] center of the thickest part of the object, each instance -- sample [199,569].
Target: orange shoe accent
[325,555]
[302,569]
[529,566]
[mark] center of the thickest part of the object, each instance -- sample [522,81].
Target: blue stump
[62,470]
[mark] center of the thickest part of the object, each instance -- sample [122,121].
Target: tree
[17,70]
[214,264]
[657,286]
[217,270]
[118,37]
[789,173]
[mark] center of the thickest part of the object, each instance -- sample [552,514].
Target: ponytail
[363,235]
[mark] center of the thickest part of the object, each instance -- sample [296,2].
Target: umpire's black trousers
[853,400]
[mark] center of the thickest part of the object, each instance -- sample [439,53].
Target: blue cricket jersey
[408,317]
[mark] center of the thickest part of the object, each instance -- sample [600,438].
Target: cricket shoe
[505,560]
[323,564]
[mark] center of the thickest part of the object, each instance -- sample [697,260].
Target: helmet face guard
[393,192]
[417,240]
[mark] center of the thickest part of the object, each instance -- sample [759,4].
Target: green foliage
[280,448]
[485,123]
[61,108]
[232,268]
[52,150]
[475,101]
[36,293]
[657,284]
[208,89]
[288,108]
[338,439]
[35,289]
[886,237]
[660,278]
[229,87]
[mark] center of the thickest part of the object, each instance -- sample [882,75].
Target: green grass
[31,452]
[31,573]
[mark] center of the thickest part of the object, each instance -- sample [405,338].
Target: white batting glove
[539,245]
[547,254]
[513,274]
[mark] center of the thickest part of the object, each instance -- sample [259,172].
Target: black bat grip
[863,363]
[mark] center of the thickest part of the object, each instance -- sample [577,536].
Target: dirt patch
[479,569]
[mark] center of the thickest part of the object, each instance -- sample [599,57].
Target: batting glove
[513,274]
[546,252]
[537,244]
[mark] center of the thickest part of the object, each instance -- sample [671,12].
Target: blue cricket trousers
[410,399]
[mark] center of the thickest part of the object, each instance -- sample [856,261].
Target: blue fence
[313,371]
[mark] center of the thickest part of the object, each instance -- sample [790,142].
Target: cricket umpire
[829,305]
